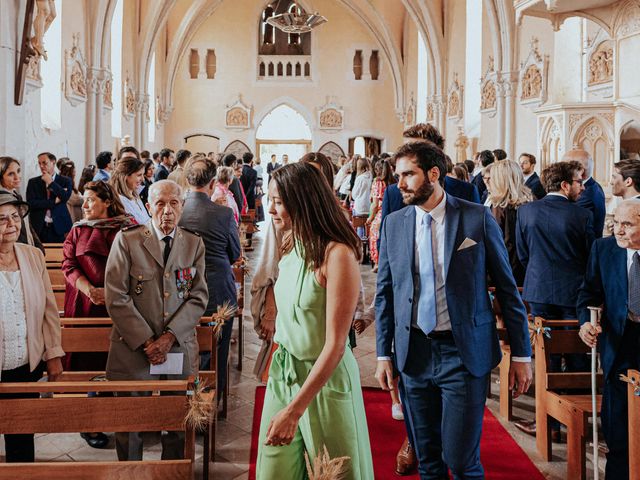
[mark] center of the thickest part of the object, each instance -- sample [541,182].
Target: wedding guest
[127,184]
[104,162]
[68,169]
[221,193]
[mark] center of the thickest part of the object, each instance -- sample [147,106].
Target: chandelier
[296,21]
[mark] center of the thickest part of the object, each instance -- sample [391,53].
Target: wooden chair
[56,277]
[238,274]
[98,414]
[53,253]
[569,409]
[634,425]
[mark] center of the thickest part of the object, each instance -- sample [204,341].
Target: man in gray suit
[155,292]
[217,227]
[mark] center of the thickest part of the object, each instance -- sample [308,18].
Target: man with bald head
[155,293]
[593,196]
[613,281]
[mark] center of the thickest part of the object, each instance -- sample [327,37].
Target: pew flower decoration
[535,331]
[201,407]
[324,467]
[633,382]
[224,312]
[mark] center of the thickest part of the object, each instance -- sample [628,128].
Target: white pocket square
[467,243]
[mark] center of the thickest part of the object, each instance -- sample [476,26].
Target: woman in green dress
[313,396]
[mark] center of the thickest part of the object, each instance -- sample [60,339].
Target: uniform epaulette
[190,231]
[131,227]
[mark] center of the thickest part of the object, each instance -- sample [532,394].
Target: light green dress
[336,416]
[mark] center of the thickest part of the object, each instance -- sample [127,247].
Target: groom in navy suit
[433,311]
[613,281]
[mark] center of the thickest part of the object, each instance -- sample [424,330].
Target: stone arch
[289,102]
[596,137]
[237,147]
[331,150]
[551,146]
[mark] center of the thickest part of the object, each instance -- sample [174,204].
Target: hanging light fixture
[296,21]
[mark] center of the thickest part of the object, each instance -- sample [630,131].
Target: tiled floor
[234,433]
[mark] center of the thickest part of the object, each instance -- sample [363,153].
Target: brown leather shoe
[526,426]
[406,461]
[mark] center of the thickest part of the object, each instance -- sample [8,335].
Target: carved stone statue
[488,99]
[107,93]
[125,141]
[454,104]
[78,81]
[130,102]
[331,118]
[462,144]
[430,114]
[531,83]
[45,14]
[601,65]
[237,117]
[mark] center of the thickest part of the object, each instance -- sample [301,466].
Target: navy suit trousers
[445,404]
[614,411]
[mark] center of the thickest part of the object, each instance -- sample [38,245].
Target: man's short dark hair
[530,156]
[104,159]
[145,155]
[200,172]
[500,154]
[487,158]
[449,163]
[50,156]
[247,157]
[165,153]
[230,160]
[471,166]
[426,155]
[156,155]
[556,173]
[182,156]
[133,150]
[629,168]
[425,131]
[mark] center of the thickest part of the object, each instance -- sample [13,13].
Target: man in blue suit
[433,310]
[47,196]
[593,196]
[613,280]
[457,188]
[531,179]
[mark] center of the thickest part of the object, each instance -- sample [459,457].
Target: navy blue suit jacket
[248,179]
[606,284]
[459,189]
[161,173]
[472,319]
[592,198]
[534,183]
[553,239]
[39,202]
[478,181]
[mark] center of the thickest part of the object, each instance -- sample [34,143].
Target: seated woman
[313,396]
[221,193]
[30,339]
[10,180]
[126,181]
[85,250]
[74,204]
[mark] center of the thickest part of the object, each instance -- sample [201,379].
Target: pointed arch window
[51,73]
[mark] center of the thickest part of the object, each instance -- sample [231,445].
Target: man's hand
[157,351]
[520,377]
[96,295]
[47,179]
[384,374]
[54,368]
[589,334]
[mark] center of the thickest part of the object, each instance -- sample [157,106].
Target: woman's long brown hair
[316,217]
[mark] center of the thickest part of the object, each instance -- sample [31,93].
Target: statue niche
[531,83]
[237,117]
[331,118]
[488,99]
[601,64]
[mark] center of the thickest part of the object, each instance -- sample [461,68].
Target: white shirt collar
[527,177]
[160,234]
[437,214]
[557,194]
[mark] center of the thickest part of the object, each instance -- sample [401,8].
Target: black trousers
[614,412]
[20,447]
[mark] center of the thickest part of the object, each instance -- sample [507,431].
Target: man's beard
[419,196]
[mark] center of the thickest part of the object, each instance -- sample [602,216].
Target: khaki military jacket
[144,297]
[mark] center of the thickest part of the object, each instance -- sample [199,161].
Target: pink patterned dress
[377,191]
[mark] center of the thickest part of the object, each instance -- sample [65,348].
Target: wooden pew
[53,253]
[98,414]
[239,274]
[571,410]
[634,425]
[96,339]
[56,276]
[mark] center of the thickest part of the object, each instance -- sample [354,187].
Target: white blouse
[13,321]
[135,208]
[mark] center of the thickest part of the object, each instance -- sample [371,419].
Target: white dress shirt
[160,235]
[14,321]
[136,209]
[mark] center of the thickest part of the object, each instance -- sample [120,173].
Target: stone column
[507,86]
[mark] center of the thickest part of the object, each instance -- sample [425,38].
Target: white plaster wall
[565,85]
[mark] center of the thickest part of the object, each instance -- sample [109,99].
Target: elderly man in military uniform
[155,292]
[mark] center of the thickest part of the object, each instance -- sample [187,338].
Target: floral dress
[377,191]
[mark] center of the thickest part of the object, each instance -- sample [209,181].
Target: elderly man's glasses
[5,219]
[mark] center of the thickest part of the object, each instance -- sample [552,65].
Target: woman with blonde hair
[221,193]
[507,192]
[127,182]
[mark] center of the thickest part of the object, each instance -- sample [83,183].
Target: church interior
[525,76]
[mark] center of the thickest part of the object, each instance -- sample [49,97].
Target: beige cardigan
[41,311]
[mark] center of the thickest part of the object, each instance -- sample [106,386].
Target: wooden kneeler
[98,414]
[573,411]
[634,424]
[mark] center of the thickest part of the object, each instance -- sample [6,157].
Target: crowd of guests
[149,240]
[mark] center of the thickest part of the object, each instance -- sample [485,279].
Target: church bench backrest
[634,425]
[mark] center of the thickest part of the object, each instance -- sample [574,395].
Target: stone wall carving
[627,21]
[107,92]
[238,115]
[455,99]
[430,112]
[489,91]
[410,114]
[332,150]
[601,64]
[129,96]
[533,76]
[331,115]
[75,73]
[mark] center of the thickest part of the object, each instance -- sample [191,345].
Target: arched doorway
[202,142]
[283,131]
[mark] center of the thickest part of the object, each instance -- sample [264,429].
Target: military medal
[184,281]
[138,288]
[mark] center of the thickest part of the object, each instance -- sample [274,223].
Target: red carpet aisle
[501,456]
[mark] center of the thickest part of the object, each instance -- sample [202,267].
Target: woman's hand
[96,295]
[359,326]
[54,368]
[267,328]
[282,428]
